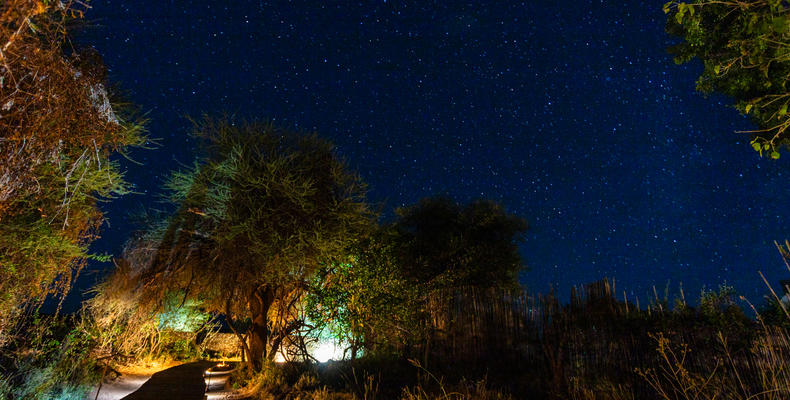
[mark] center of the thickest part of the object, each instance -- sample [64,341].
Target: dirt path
[183,382]
[118,388]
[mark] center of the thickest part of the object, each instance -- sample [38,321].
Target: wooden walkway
[183,382]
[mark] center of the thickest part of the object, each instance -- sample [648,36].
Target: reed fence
[594,338]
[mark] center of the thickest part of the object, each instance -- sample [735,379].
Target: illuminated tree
[58,129]
[256,217]
[367,302]
[379,297]
[745,49]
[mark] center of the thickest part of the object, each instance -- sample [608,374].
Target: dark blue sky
[571,114]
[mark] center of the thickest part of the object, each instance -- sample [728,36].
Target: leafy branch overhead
[58,129]
[745,49]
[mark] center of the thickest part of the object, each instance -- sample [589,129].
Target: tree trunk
[242,339]
[261,300]
[280,336]
[244,350]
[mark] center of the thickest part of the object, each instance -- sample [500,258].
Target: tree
[745,49]
[257,215]
[366,302]
[58,129]
[442,243]
[378,299]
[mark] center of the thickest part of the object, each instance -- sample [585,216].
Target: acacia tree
[256,217]
[744,46]
[58,129]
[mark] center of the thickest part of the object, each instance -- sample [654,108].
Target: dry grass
[761,374]
[464,390]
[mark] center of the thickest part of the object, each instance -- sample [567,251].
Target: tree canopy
[58,129]
[257,215]
[745,49]
[438,240]
[380,296]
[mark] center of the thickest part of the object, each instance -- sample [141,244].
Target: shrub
[49,357]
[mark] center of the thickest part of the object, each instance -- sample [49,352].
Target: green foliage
[57,135]
[745,49]
[720,313]
[367,301]
[181,314]
[175,346]
[49,358]
[256,216]
[271,203]
[714,304]
[379,299]
[46,239]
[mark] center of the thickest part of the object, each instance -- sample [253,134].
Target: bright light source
[327,350]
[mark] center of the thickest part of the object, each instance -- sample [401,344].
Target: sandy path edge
[119,387]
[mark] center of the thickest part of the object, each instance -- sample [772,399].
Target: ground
[171,381]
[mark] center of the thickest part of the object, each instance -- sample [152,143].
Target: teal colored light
[186,317]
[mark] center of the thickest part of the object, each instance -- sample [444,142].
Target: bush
[49,357]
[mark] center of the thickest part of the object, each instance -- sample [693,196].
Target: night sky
[571,114]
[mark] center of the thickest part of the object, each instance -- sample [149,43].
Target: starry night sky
[571,114]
